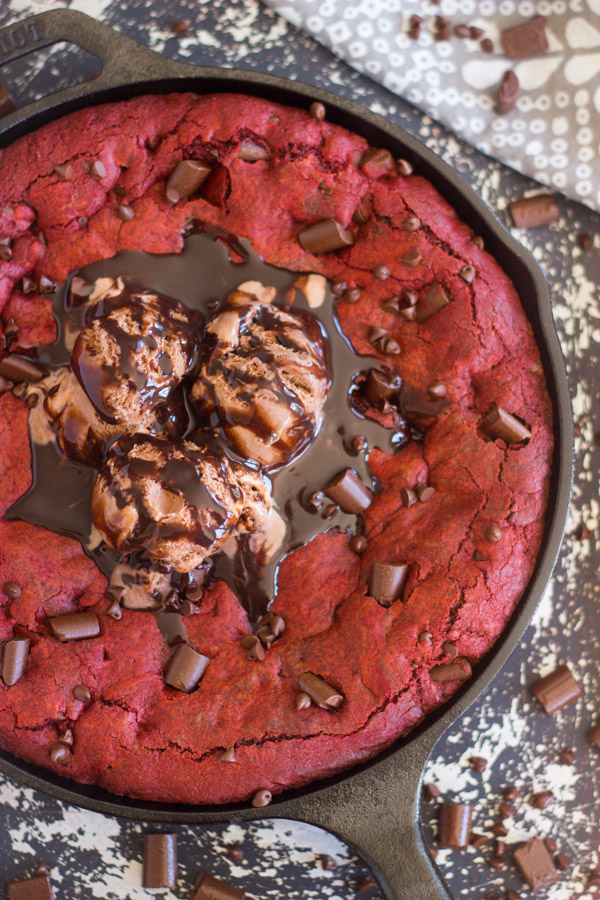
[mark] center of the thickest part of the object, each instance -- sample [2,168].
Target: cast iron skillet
[375,807]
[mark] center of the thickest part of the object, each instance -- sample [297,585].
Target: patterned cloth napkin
[552,134]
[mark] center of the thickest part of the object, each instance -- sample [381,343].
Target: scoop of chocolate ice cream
[263,377]
[135,350]
[85,436]
[176,501]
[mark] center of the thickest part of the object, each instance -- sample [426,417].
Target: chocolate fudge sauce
[208,269]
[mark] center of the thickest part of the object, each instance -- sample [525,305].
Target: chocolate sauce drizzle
[200,277]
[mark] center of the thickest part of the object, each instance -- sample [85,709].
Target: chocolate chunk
[38,888]
[412,223]
[265,636]
[557,689]
[531,212]
[366,885]
[499,829]
[454,827]
[65,171]
[584,240]
[14,660]
[478,840]
[98,170]
[362,213]
[186,668]
[228,755]
[185,179]
[432,791]
[404,167]
[209,888]
[551,844]
[433,300]
[457,670]
[535,864]
[7,104]
[498,423]
[160,862]
[414,32]
[593,880]
[18,368]
[75,626]
[386,581]
[324,236]
[254,648]
[82,221]
[28,285]
[479,763]
[125,212]
[567,756]
[408,497]
[424,492]
[463,31]
[487,46]
[475,32]
[381,272]
[317,111]
[380,386]
[328,862]
[411,259]
[468,273]
[322,694]
[42,869]
[235,852]
[80,692]
[303,701]
[347,490]
[497,863]
[5,252]
[507,93]
[511,793]
[526,39]
[114,610]
[358,543]
[541,800]
[252,152]
[12,589]
[277,625]
[506,810]
[594,734]
[262,798]
[60,753]
[359,442]
[562,861]
[493,533]
[46,286]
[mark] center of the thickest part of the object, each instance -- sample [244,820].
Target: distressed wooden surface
[97,856]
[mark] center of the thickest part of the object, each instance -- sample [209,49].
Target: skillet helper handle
[376,812]
[122,58]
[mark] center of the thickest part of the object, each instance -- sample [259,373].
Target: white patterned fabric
[553,133]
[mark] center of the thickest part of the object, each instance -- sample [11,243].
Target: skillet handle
[122,58]
[376,812]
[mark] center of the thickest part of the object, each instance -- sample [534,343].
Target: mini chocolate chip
[262,798]
[450,650]
[408,497]
[362,213]
[80,692]
[228,755]
[541,799]
[584,240]
[431,791]
[425,637]
[478,241]
[497,863]
[235,852]
[41,870]
[463,31]
[119,190]
[303,701]
[98,170]
[28,286]
[180,28]
[424,492]
[478,840]
[125,212]
[493,533]
[46,286]
[82,221]
[412,223]
[511,793]
[359,443]
[409,314]
[467,273]
[411,259]
[567,756]
[115,611]
[506,810]
[366,884]
[477,762]
[32,401]
[404,167]
[316,500]
[338,288]
[358,543]
[487,46]
[64,171]
[12,589]
[381,272]
[328,862]
[5,253]
[500,829]
[60,753]
[562,861]
[352,295]
[437,390]
[318,111]
[478,556]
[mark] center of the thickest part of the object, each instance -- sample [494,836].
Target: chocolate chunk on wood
[531,212]
[325,236]
[7,104]
[457,670]
[433,299]
[557,689]
[594,734]
[525,39]
[322,694]
[348,491]
[14,660]
[209,888]
[186,668]
[19,368]
[535,865]
[507,93]
[75,626]
[386,581]
[37,888]
[160,862]
[454,827]
[185,179]
[498,423]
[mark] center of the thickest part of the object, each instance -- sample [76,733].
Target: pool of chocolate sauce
[201,277]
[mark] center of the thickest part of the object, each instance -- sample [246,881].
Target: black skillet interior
[375,807]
